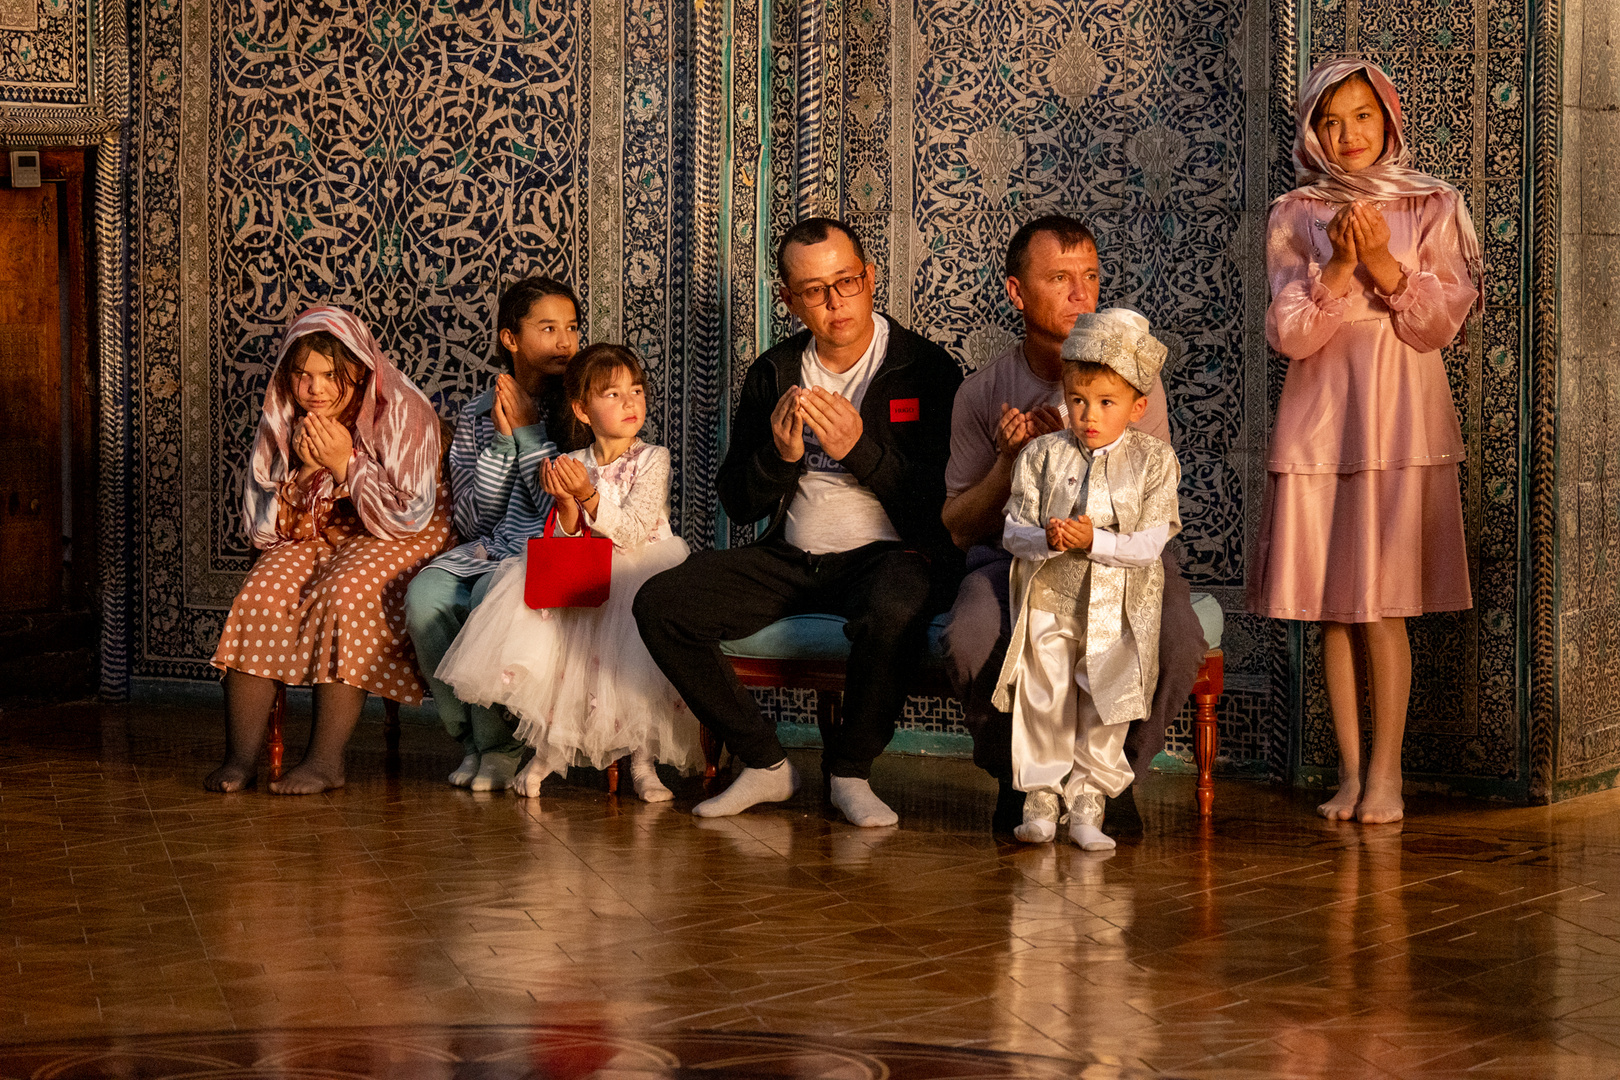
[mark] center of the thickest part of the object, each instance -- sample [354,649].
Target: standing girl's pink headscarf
[393,476]
[1389,178]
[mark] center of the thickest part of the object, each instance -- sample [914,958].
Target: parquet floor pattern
[1470,941]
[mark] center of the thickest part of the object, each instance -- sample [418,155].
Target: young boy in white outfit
[1091,509]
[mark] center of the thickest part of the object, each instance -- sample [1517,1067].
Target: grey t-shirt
[1008,379]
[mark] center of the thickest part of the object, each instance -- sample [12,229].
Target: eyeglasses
[816,295]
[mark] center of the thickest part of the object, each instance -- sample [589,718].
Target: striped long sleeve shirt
[495,479]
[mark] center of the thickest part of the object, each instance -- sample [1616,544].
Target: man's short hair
[1070,233]
[815,230]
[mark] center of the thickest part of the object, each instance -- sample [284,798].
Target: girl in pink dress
[1373,267]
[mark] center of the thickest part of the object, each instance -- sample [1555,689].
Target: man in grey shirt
[1052,276]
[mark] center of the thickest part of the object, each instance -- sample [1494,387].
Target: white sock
[644,778]
[527,782]
[1089,837]
[775,784]
[860,803]
[495,772]
[466,770]
[1039,831]
[1040,818]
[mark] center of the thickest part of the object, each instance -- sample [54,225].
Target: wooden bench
[765,660]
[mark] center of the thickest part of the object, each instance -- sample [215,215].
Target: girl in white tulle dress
[579,680]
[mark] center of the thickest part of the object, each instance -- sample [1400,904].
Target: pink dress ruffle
[1363,512]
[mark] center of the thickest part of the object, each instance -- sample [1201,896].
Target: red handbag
[567,571]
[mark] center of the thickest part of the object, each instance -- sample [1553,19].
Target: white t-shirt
[832,511]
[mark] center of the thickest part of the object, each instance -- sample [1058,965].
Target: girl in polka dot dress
[345,503]
[579,680]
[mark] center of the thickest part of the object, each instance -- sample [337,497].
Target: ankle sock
[1040,818]
[495,772]
[644,778]
[1089,837]
[464,773]
[860,803]
[752,786]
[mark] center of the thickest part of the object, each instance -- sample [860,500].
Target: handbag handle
[551,523]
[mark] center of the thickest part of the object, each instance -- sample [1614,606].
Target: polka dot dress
[332,608]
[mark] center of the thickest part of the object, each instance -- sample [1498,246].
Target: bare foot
[309,778]
[232,776]
[1379,807]
[1342,807]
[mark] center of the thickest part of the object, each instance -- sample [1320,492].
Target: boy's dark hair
[588,371]
[519,297]
[815,231]
[1088,371]
[1070,233]
[347,371]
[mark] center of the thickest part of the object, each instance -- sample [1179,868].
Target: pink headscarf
[1389,178]
[393,476]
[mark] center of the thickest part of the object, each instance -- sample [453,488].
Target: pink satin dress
[1363,512]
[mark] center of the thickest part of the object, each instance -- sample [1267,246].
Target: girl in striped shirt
[502,436]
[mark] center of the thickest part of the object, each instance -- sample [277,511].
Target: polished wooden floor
[399,913]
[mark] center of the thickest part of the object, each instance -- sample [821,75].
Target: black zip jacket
[904,445]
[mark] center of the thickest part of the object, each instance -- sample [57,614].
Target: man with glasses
[840,438]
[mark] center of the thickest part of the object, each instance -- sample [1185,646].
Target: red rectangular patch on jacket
[903,409]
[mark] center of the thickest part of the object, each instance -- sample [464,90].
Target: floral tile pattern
[278,167]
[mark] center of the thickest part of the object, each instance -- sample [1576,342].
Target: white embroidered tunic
[1128,489]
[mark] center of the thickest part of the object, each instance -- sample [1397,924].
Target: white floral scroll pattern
[1133,117]
[19,15]
[63,66]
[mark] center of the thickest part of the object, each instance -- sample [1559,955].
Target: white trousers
[1056,730]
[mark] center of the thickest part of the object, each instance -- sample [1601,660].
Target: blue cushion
[797,637]
[821,637]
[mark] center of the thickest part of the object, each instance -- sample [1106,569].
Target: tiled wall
[289,156]
[1587,742]
[938,127]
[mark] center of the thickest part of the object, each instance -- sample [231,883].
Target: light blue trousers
[436,608]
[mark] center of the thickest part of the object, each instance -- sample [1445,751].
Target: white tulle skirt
[582,685]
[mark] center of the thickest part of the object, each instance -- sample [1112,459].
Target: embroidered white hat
[1118,337]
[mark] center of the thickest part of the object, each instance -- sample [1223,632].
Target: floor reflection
[400,927]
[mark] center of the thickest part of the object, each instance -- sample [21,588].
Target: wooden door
[30,401]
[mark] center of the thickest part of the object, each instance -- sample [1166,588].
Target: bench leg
[711,752]
[829,714]
[391,734]
[1207,692]
[274,745]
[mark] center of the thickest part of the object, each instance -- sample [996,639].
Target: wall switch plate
[25,168]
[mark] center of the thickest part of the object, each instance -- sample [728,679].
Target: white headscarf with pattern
[393,475]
